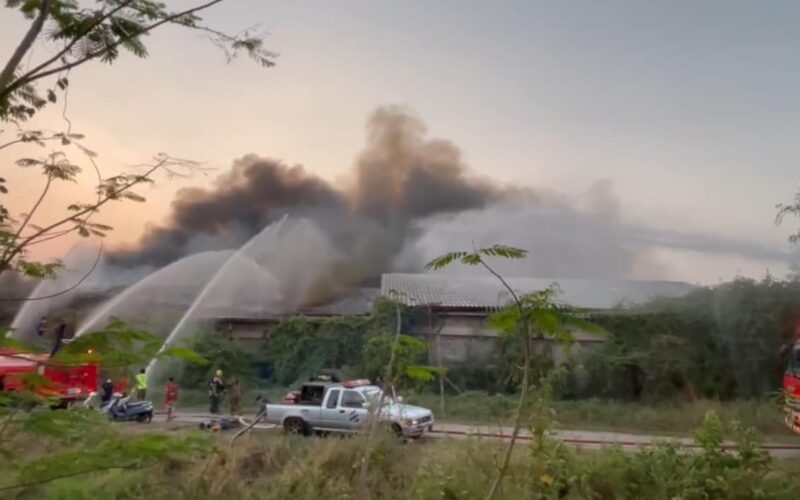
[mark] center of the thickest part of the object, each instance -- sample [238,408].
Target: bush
[300,347]
[221,354]
[490,377]
[718,342]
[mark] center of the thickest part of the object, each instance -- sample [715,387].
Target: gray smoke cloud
[409,198]
[400,177]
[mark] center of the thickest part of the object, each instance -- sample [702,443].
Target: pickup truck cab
[344,408]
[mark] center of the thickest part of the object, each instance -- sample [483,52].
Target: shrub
[221,354]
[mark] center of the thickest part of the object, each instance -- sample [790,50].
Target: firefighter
[141,385]
[41,326]
[215,391]
[106,391]
[61,332]
[235,400]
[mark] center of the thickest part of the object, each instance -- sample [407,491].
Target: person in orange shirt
[170,398]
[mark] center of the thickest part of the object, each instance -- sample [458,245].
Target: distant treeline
[720,342]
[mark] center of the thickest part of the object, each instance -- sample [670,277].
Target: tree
[531,314]
[80,35]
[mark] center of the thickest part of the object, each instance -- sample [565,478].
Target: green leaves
[84,33]
[209,352]
[9,343]
[423,373]
[475,257]
[38,270]
[29,162]
[22,414]
[409,353]
[72,426]
[184,354]
[544,315]
[584,325]
[121,453]
[118,345]
[54,166]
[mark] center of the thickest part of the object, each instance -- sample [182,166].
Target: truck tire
[62,404]
[397,430]
[296,426]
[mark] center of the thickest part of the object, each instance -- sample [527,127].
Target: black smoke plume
[400,177]
[408,199]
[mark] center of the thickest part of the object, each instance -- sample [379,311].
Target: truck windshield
[373,395]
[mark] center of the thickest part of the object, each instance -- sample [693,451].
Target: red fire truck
[66,383]
[791,385]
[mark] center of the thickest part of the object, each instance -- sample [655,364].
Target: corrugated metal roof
[482,292]
[359,302]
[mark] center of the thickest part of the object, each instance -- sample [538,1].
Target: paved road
[580,439]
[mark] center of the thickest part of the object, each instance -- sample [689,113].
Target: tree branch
[75,40]
[17,141]
[33,209]
[113,195]
[29,78]
[79,224]
[66,290]
[7,75]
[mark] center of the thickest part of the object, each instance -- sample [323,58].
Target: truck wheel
[61,405]
[295,426]
[397,430]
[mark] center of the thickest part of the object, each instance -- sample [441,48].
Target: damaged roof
[486,292]
[358,302]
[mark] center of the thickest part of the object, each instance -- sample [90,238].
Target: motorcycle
[120,409]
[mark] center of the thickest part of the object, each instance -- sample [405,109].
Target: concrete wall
[466,338]
[249,335]
[460,338]
[463,338]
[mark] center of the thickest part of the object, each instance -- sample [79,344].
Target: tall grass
[678,417]
[270,466]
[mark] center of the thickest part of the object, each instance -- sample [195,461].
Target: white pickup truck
[344,408]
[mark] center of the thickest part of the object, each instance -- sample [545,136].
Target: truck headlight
[409,422]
